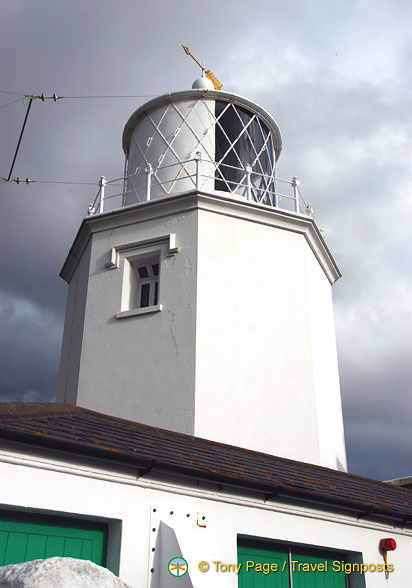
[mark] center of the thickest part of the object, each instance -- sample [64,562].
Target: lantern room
[201,138]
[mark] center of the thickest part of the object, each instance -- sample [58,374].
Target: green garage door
[24,538]
[325,577]
[295,567]
[256,561]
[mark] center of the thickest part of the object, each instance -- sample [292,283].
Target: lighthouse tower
[203,304]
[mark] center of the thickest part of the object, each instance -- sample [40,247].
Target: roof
[84,432]
[404,482]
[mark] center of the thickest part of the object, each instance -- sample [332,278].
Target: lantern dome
[203,83]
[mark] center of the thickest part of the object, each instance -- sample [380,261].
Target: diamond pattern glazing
[236,151]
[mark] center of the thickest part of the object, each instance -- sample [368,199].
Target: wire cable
[15,93]
[102,96]
[73,183]
[86,96]
[14,102]
[29,181]
[42,97]
[63,182]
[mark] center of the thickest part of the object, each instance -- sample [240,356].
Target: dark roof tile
[88,432]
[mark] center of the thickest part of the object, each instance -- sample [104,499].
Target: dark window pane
[245,151]
[143,273]
[156,293]
[155,269]
[144,295]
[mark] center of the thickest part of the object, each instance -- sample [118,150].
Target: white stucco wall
[94,491]
[254,376]
[70,356]
[266,366]
[325,366]
[140,367]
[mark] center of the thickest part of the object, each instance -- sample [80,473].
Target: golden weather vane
[208,73]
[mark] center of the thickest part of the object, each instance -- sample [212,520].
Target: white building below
[136,497]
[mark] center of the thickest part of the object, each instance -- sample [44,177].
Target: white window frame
[131,256]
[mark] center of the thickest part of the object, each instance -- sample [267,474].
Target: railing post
[275,199]
[125,174]
[295,184]
[149,172]
[102,185]
[198,156]
[275,195]
[249,184]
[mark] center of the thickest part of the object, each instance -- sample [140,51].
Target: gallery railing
[200,174]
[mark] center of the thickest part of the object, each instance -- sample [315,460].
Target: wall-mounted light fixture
[386,545]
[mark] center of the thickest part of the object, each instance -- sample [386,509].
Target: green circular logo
[178,567]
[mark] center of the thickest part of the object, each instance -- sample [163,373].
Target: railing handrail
[198,178]
[215,164]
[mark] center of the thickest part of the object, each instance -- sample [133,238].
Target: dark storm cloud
[29,343]
[333,74]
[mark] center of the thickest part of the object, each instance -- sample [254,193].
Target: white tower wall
[253,328]
[266,364]
[71,353]
[141,366]
[235,349]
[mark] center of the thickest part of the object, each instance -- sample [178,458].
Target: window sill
[138,311]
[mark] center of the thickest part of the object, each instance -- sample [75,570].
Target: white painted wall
[74,322]
[266,366]
[139,367]
[325,366]
[254,376]
[103,494]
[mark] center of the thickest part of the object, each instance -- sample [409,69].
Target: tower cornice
[213,202]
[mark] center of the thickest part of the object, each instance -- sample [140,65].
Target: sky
[336,76]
